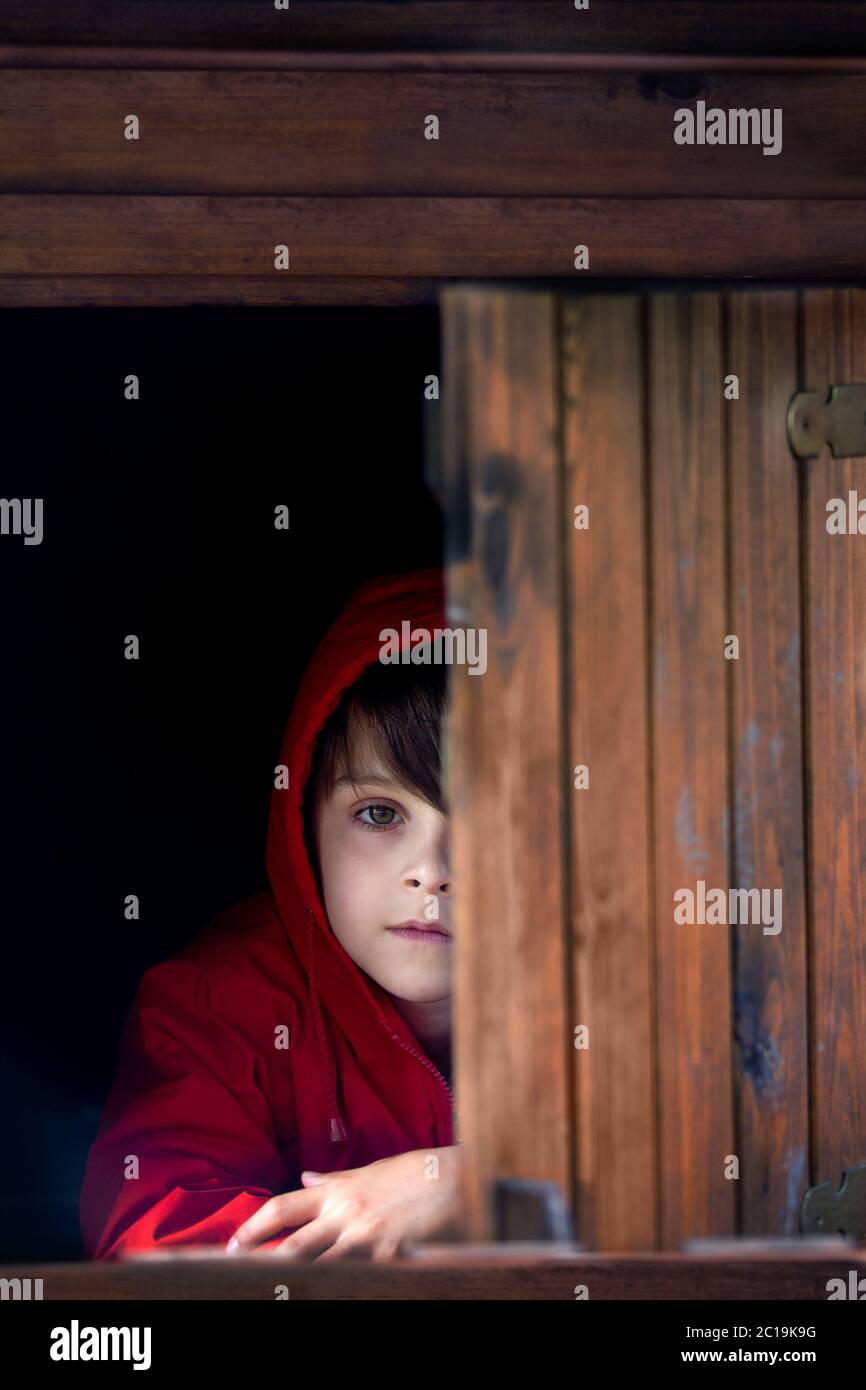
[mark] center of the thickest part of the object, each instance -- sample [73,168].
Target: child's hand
[364,1212]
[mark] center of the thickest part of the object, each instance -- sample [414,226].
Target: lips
[414,930]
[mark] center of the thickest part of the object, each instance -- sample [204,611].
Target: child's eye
[374,811]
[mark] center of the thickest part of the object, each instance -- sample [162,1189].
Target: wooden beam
[462,1274]
[771,1024]
[665,26]
[651,65]
[834,351]
[690,784]
[611,874]
[527,134]
[500,486]
[119,291]
[62,235]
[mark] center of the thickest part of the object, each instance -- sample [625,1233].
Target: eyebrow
[364,775]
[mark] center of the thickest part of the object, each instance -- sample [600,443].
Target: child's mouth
[421,934]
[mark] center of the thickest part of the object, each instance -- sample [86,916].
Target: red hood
[337,985]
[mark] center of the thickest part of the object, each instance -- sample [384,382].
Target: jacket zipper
[436,1072]
[421,1058]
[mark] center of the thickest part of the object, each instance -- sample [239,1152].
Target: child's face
[383,861]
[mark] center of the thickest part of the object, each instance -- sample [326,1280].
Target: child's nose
[431,883]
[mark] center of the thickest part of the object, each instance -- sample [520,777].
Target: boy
[282,1084]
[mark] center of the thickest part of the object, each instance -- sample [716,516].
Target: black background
[154,776]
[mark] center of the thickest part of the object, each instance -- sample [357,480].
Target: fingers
[377,1251]
[338,1251]
[286,1209]
[308,1243]
[311,1179]
[325,1240]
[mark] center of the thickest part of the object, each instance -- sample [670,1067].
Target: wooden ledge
[513,1272]
[435,60]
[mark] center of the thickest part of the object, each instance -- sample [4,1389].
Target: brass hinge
[826,1211]
[836,417]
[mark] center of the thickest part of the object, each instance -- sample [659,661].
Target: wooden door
[677,1079]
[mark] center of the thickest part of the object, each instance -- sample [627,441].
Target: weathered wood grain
[500,483]
[602,375]
[690,767]
[771,1072]
[511,133]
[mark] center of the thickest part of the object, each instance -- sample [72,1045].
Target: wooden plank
[687,525]
[118,291]
[500,481]
[652,66]
[55,234]
[666,26]
[459,1274]
[602,379]
[770,986]
[834,351]
[553,135]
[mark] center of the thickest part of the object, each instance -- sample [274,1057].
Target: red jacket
[218,1117]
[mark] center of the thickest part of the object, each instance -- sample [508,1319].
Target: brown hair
[401,709]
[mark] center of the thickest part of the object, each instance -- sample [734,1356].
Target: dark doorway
[154,776]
